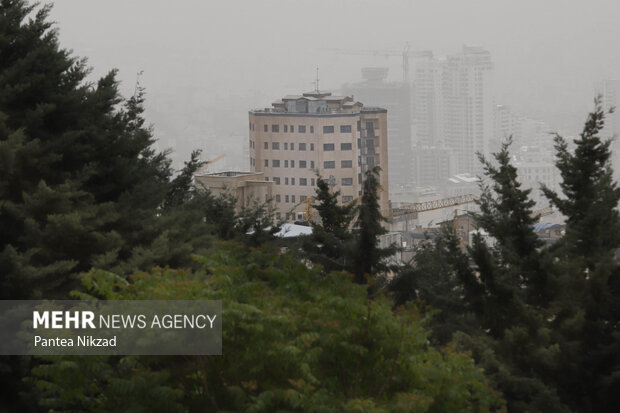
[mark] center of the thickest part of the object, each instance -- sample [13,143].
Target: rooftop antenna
[137,87]
[317,79]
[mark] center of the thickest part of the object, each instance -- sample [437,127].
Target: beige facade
[246,187]
[303,135]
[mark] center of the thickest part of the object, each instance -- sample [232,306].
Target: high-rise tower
[468,107]
[396,98]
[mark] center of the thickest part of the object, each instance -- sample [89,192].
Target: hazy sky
[199,54]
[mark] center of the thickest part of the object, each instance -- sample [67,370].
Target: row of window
[275,163]
[302,146]
[302,128]
[276,146]
[332,164]
[343,147]
[302,198]
[290,215]
[304,181]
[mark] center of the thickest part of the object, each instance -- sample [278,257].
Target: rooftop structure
[246,187]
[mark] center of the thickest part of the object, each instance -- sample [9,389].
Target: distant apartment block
[427,100]
[611,99]
[524,131]
[468,108]
[454,113]
[535,166]
[432,165]
[302,135]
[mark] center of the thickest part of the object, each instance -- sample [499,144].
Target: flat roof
[230,174]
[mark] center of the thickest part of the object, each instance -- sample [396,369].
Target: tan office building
[301,135]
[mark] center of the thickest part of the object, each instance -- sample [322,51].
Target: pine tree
[493,300]
[512,271]
[590,195]
[371,259]
[182,187]
[439,277]
[80,183]
[255,224]
[507,215]
[586,307]
[331,241]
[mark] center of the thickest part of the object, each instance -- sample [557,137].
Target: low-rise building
[245,187]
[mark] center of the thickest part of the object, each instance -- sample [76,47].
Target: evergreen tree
[371,259]
[331,241]
[80,184]
[438,278]
[492,301]
[590,194]
[182,187]
[255,224]
[507,215]
[511,291]
[586,308]
[511,272]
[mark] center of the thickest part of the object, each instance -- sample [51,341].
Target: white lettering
[87,319]
[57,319]
[38,319]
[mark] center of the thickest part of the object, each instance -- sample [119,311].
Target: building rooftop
[293,230]
[463,178]
[229,174]
[316,103]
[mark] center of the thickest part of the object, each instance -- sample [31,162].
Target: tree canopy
[294,341]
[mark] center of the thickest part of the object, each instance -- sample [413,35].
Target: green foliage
[586,307]
[80,185]
[439,278]
[293,341]
[182,188]
[545,320]
[331,242]
[255,224]
[371,259]
[506,214]
[590,195]
[79,179]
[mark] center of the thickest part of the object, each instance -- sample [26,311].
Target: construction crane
[405,54]
[205,164]
[416,207]
[309,209]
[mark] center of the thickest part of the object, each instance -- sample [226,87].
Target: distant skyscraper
[611,99]
[468,108]
[427,100]
[431,161]
[454,113]
[395,97]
